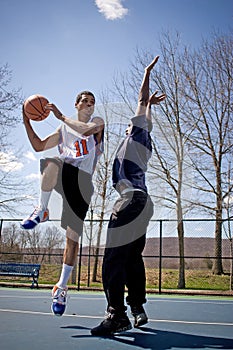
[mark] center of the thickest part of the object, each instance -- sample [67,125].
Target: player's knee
[72,237]
[50,174]
[51,168]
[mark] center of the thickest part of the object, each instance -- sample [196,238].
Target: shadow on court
[149,338]
[195,324]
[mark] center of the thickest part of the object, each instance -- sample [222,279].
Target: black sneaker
[139,314]
[112,324]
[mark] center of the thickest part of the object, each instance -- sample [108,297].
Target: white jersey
[79,150]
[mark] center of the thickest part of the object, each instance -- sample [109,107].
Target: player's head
[85,102]
[85,92]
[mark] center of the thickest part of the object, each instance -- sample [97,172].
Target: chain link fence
[165,262]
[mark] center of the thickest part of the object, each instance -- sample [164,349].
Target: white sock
[44,199]
[65,275]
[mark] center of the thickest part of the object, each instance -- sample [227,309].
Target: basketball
[34,107]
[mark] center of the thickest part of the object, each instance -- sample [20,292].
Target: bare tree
[10,100]
[227,223]
[12,187]
[41,241]
[208,87]
[102,180]
[169,160]
[11,243]
[192,130]
[52,239]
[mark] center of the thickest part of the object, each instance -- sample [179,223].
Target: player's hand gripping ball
[34,107]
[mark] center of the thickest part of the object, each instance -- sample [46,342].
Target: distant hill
[199,252]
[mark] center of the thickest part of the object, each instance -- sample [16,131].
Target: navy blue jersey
[132,156]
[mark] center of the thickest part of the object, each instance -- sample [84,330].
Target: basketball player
[123,264]
[80,143]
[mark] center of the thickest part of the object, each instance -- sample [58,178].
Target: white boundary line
[80,297]
[98,317]
[44,313]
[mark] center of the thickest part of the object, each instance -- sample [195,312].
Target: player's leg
[49,176]
[136,282]
[78,189]
[113,272]
[114,269]
[59,292]
[136,277]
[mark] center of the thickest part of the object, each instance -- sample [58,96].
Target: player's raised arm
[143,96]
[145,101]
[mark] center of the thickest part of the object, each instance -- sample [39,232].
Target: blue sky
[58,48]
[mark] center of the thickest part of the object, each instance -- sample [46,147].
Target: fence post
[80,262]
[74,272]
[160,254]
[89,251]
[1,229]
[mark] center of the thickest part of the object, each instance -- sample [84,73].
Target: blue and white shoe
[39,215]
[59,300]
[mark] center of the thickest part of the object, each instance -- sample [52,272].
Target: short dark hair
[85,92]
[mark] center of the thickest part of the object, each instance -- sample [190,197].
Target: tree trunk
[231,265]
[217,266]
[180,229]
[96,258]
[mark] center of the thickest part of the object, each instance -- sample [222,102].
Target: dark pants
[123,263]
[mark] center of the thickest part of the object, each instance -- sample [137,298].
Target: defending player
[123,264]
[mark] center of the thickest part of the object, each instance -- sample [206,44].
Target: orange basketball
[34,107]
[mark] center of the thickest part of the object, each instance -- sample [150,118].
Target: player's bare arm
[37,143]
[143,96]
[94,127]
[151,65]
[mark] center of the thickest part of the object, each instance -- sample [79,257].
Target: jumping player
[123,264]
[80,143]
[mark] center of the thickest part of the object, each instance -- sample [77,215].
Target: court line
[44,313]
[70,296]
[100,317]
[77,297]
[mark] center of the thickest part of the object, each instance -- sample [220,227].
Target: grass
[195,279]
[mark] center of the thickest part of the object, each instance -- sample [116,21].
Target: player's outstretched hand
[151,65]
[155,100]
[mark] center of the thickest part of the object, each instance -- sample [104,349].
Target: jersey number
[81,145]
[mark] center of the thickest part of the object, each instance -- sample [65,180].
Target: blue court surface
[174,323]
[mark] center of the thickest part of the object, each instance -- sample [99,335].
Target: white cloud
[111,9]
[228,200]
[30,155]
[33,176]
[8,162]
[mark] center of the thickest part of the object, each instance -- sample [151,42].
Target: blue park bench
[21,269]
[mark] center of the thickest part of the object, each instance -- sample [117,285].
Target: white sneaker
[59,300]
[39,215]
